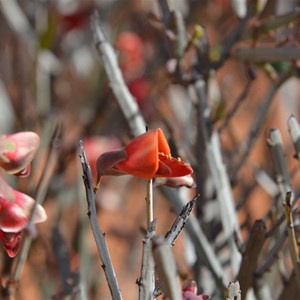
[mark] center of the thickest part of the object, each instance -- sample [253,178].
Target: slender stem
[97,232]
[149,201]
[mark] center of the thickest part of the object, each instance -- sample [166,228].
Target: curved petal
[14,215]
[178,167]
[163,170]
[176,182]
[26,144]
[142,159]
[163,145]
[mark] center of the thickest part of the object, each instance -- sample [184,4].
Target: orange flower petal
[178,167]
[142,160]
[163,170]
[163,145]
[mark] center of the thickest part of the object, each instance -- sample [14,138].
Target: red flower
[147,156]
[17,151]
[15,209]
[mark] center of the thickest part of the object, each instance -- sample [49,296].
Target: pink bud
[17,151]
[15,210]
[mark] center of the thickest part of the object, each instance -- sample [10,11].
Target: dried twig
[291,289]
[69,278]
[202,245]
[236,106]
[272,23]
[146,282]
[258,122]
[293,246]
[294,130]
[272,255]
[266,54]
[250,256]
[180,221]
[97,232]
[116,80]
[282,173]
[166,269]
[221,182]
[234,291]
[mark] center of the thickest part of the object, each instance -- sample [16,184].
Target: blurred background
[51,75]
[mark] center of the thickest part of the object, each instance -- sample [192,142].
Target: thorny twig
[180,221]
[97,232]
[202,245]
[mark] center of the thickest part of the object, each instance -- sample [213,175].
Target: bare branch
[126,101]
[258,122]
[265,54]
[165,266]
[97,232]
[180,221]
[294,130]
[146,281]
[282,173]
[250,256]
[293,245]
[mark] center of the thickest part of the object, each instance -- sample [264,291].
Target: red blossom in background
[17,151]
[131,58]
[15,209]
[189,291]
[147,156]
[95,145]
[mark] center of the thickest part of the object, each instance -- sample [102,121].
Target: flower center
[169,156]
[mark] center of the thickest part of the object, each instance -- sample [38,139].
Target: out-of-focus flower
[96,145]
[15,209]
[17,151]
[189,291]
[139,88]
[131,54]
[147,156]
